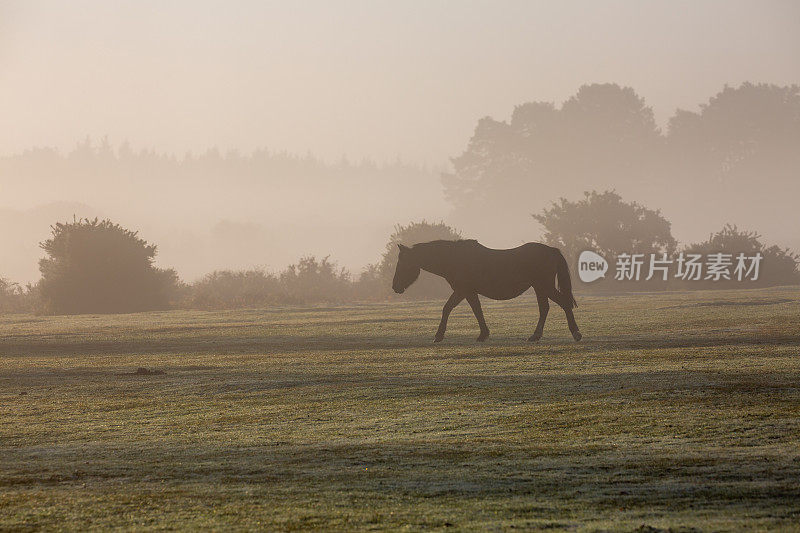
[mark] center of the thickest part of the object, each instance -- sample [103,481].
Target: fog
[250,134]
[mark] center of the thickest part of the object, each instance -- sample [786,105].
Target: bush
[226,289]
[307,282]
[100,267]
[15,299]
[370,285]
[311,281]
[778,266]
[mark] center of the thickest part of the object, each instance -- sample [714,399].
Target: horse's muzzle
[399,291]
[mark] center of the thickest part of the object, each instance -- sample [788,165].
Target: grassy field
[676,411]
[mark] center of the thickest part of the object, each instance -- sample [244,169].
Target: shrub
[308,281]
[100,267]
[227,289]
[312,281]
[778,266]
[370,285]
[15,299]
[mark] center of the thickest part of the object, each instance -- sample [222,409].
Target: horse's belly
[504,293]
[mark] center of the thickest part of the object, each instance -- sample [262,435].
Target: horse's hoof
[438,338]
[535,337]
[482,337]
[577,335]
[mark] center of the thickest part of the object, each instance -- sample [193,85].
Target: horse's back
[524,253]
[499,273]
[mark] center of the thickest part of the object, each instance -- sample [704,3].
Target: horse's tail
[564,281]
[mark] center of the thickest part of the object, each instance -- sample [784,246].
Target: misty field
[676,410]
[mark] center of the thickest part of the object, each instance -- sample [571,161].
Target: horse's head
[407,270]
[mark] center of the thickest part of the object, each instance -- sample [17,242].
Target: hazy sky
[366,79]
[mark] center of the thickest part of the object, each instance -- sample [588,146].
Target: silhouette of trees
[97,266]
[545,152]
[754,128]
[608,131]
[179,197]
[604,223]
[739,153]
[779,266]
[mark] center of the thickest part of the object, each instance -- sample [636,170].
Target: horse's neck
[435,261]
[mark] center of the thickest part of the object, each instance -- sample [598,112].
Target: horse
[472,269]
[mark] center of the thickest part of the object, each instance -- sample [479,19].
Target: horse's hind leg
[453,301]
[544,307]
[475,303]
[565,303]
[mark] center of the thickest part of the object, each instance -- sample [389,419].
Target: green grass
[677,410]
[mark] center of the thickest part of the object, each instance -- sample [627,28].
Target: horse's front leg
[453,301]
[475,303]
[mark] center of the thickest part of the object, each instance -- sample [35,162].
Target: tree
[778,266]
[100,267]
[608,130]
[603,131]
[428,285]
[604,223]
[751,131]
[741,153]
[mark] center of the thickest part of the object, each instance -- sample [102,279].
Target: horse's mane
[446,244]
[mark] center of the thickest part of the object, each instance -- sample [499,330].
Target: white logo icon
[591,266]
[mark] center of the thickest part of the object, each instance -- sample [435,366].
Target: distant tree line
[103,165]
[201,206]
[94,266]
